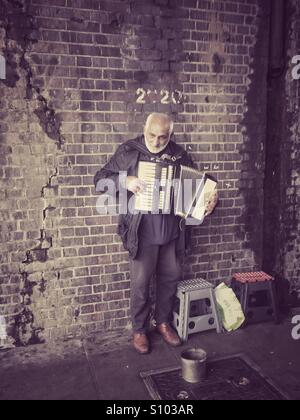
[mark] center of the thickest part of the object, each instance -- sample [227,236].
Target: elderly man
[155,241]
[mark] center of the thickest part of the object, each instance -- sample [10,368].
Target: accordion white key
[175,189]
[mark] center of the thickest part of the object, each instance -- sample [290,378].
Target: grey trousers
[162,262]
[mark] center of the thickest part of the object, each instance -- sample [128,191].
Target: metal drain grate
[230,378]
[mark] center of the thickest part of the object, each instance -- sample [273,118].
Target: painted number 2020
[164,96]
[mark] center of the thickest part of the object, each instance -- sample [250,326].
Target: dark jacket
[126,159]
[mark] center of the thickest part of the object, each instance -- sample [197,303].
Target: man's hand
[213,201]
[135,185]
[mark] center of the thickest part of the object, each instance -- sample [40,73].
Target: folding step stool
[195,309]
[257,294]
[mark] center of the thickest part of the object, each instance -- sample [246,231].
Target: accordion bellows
[179,190]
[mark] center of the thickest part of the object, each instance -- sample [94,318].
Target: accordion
[174,189]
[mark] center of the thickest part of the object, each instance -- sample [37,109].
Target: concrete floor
[105,367]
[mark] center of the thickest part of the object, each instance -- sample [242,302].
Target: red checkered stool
[256,292]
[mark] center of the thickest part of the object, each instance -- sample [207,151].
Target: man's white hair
[161,117]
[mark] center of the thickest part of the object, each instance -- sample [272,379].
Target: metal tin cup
[193,363]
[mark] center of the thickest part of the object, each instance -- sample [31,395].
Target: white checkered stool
[195,309]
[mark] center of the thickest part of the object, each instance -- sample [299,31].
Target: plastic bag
[230,309]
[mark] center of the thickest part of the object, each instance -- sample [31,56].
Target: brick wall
[81,77]
[290,223]
[281,187]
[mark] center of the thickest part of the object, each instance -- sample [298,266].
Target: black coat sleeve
[118,163]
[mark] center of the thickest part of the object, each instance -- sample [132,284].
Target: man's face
[157,136]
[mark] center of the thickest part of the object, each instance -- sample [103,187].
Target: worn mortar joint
[23,331]
[27,290]
[117,20]
[46,210]
[49,184]
[39,253]
[217,63]
[77,19]
[76,314]
[42,285]
[49,121]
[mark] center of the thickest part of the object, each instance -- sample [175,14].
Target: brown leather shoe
[141,343]
[169,335]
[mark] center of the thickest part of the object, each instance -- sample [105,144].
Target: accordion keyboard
[157,197]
